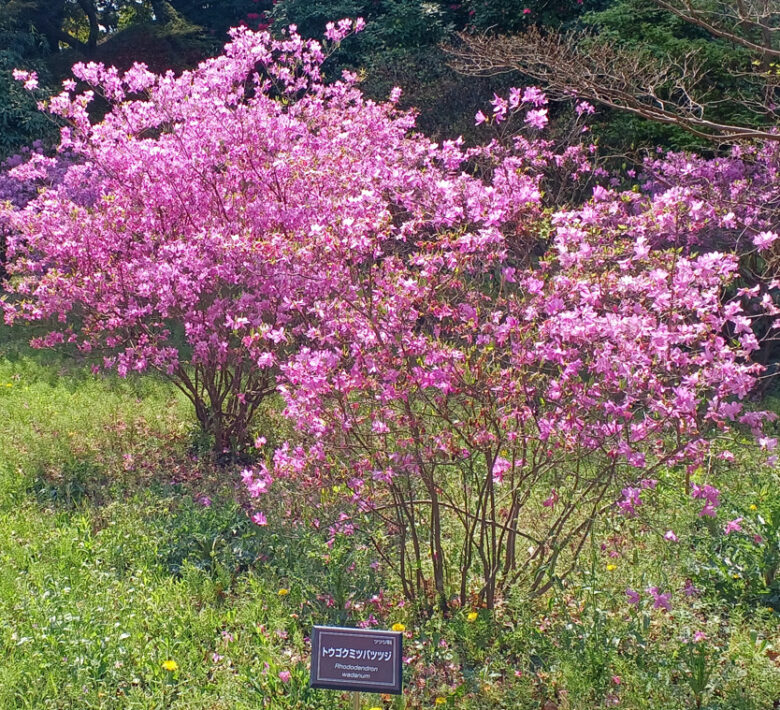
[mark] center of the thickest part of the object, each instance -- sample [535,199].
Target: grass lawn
[130,578]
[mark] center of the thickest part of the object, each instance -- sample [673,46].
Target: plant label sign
[360,660]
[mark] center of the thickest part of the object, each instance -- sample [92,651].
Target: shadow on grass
[65,366]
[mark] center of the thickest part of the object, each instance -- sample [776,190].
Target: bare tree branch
[671,91]
[749,15]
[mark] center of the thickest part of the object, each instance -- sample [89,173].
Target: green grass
[93,604]
[110,564]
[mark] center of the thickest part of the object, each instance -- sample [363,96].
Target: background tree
[508,16]
[49,37]
[679,63]
[20,121]
[399,47]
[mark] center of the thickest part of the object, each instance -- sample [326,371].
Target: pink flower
[30,78]
[500,467]
[732,526]
[536,118]
[768,443]
[712,497]
[500,108]
[660,601]
[583,107]
[552,500]
[285,676]
[534,95]
[708,511]
[699,636]
[259,519]
[633,597]
[670,536]
[765,239]
[630,502]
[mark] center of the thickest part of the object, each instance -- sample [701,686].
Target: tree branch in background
[669,90]
[756,18]
[94,25]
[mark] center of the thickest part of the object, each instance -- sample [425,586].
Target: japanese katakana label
[356,659]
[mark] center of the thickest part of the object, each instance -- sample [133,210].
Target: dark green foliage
[20,121]
[178,46]
[217,539]
[400,47]
[216,17]
[50,36]
[646,28]
[505,16]
[446,101]
[744,567]
[390,25]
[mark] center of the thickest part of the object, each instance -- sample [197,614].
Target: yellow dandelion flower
[283,592]
[398,627]
[170,666]
[472,616]
[439,700]
[754,507]
[376,707]
[611,568]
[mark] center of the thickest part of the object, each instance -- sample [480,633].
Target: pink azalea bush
[21,177]
[457,387]
[209,211]
[484,371]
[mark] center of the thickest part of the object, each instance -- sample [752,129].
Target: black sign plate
[356,659]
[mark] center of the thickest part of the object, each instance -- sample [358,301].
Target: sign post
[358,660]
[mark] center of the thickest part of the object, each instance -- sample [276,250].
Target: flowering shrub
[245,227]
[21,177]
[465,391]
[515,407]
[209,210]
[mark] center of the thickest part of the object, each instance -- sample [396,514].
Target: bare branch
[580,64]
[749,15]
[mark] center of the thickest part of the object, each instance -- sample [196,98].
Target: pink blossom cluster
[726,202]
[711,497]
